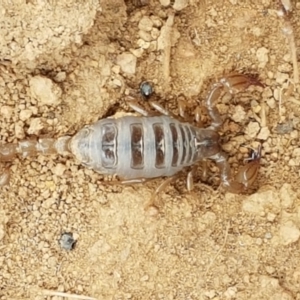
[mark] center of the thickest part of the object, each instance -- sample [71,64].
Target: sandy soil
[88,56]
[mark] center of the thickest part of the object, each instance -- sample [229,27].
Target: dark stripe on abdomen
[108,151]
[159,134]
[137,146]
[183,144]
[188,144]
[174,133]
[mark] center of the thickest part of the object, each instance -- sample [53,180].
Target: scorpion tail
[28,148]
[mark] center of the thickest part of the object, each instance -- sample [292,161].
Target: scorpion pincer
[138,148]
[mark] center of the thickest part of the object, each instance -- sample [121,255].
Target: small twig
[293,100]
[165,45]
[220,250]
[66,295]
[263,117]
[280,102]
[287,5]
[284,94]
[287,29]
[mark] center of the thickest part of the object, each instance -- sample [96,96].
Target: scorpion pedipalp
[248,173]
[245,176]
[232,83]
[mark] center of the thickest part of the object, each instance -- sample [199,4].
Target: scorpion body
[137,148]
[142,147]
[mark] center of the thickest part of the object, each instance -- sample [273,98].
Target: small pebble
[67,241]
[45,91]
[281,77]
[271,103]
[146,36]
[284,128]
[25,114]
[127,62]
[270,269]
[60,77]
[143,44]
[165,2]
[6,111]
[268,235]
[19,130]
[137,52]
[180,4]
[239,114]
[145,24]
[262,56]
[146,89]
[252,129]
[156,21]
[36,125]
[289,233]
[264,133]
[271,216]
[155,33]
[59,169]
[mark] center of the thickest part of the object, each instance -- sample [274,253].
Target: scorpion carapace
[137,148]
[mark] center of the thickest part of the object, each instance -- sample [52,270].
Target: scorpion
[155,144]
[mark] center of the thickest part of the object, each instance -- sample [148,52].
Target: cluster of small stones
[34,28]
[148,34]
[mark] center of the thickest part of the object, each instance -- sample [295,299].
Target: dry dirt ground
[67,63]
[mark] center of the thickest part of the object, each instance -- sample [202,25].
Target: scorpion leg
[232,83]
[131,181]
[161,109]
[183,116]
[182,109]
[198,113]
[142,111]
[197,116]
[152,202]
[4,176]
[166,182]
[190,181]
[212,110]
[139,109]
[128,181]
[245,177]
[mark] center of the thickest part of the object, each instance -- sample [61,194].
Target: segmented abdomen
[136,147]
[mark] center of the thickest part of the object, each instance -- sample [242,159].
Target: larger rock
[262,203]
[287,196]
[289,233]
[127,62]
[45,91]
